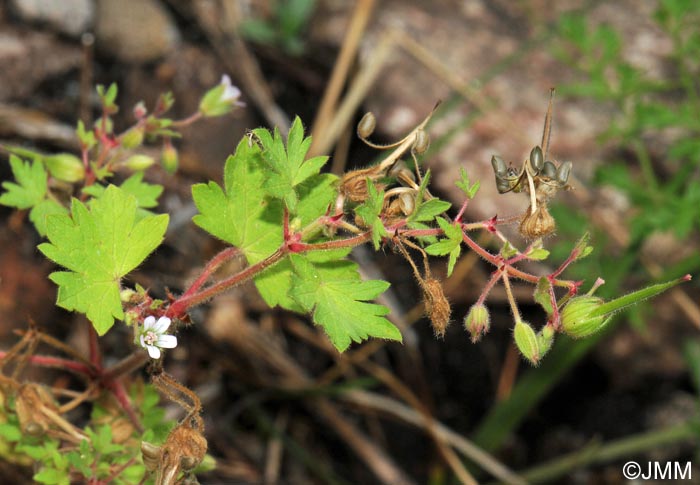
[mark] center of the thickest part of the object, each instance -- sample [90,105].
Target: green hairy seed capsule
[65,167]
[139,162]
[478,321]
[133,138]
[576,320]
[366,125]
[527,342]
[536,159]
[169,158]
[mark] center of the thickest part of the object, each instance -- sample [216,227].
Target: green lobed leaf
[370,211]
[465,185]
[452,240]
[287,165]
[542,295]
[337,298]
[99,246]
[428,210]
[40,212]
[30,188]
[242,214]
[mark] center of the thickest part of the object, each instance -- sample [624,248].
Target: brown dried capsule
[549,170]
[366,125]
[407,202]
[436,305]
[563,173]
[422,142]
[536,159]
[537,224]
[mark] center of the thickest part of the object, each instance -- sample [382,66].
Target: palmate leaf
[30,191]
[451,244]
[99,246]
[337,299]
[242,214]
[288,165]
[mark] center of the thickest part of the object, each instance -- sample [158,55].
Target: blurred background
[280,404]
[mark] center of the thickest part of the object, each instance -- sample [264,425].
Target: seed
[366,125]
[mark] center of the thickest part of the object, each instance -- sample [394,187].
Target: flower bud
[133,138]
[575,318]
[478,321]
[65,167]
[220,99]
[169,158]
[139,162]
[527,342]
[366,125]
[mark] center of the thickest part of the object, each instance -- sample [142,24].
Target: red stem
[117,388]
[95,356]
[186,121]
[182,304]
[214,264]
[57,362]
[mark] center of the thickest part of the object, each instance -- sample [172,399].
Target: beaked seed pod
[575,317]
[527,342]
[536,159]
[563,172]
[422,142]
[549,170]
[478,321]
[366,125]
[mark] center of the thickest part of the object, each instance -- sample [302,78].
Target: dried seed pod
[184,449]
[403,174]
[536,159]
[29,402]
[422,142]
[537,224]
[549,170]
[407,203]
[563,172]
[436,305]
[151,455]
[499,166]
[366,125]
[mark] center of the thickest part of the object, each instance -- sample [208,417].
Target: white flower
[153,336]
[231,93]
